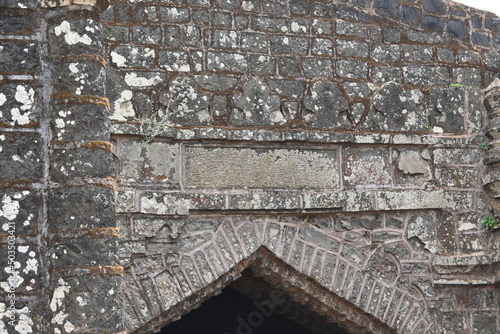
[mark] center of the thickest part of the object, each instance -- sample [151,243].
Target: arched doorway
[366,297]
[250,305]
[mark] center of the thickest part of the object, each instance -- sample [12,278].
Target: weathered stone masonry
[57,191]
[344,152]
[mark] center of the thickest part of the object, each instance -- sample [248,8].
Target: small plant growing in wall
[485,146]
[156,124]
[490,222]
[428,127]
[153,126]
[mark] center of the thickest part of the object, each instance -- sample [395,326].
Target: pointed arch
[354,287]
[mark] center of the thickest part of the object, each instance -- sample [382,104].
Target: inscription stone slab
[235,167]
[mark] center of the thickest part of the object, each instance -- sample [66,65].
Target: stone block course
[100,202]
[335,149]
[81,163]
[128,56]
[68,125]
[225,62]
[76,77]
[20,56]
[20,103]
[20,157]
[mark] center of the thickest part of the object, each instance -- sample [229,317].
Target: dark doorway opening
[251,306]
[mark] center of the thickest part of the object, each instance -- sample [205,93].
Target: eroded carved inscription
[235,167]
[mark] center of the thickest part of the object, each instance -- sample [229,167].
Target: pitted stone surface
[364,167]
[182,104]
[412,166]
[339,150]
[326,107]
[20,157]
[257,105]
[448,109]
[396,109]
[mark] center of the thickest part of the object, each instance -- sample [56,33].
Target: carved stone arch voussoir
[311,266]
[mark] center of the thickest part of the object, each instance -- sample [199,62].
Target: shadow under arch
[298,288]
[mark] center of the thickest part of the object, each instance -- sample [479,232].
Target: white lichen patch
[204,116]
[10,208]
[28,220]
[3,99]
[14,280]
[73,67]
[277,117]
[81,301]
[60,123]
[59,318]
[25,322]
[24,96]
[123,106]
[58,298]
[23,249]
[147,52]
[297,27]
[18,117]
[132,79]
[466,226]
[31,265]
[27,98]
[118,59]
[69,327]
[437,129]
[247,5]
[71,37]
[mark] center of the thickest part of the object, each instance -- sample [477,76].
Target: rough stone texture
[57,211]
[365,167]
[182,104]
[341,151]
[265,168]
[397,109]
[326,107]
[256,105]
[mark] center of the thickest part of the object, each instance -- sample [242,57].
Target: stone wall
[60,271]
[344,138]
[343,151]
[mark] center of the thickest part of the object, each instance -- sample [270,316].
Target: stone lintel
[291,201]
[461,281]
[446,264]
